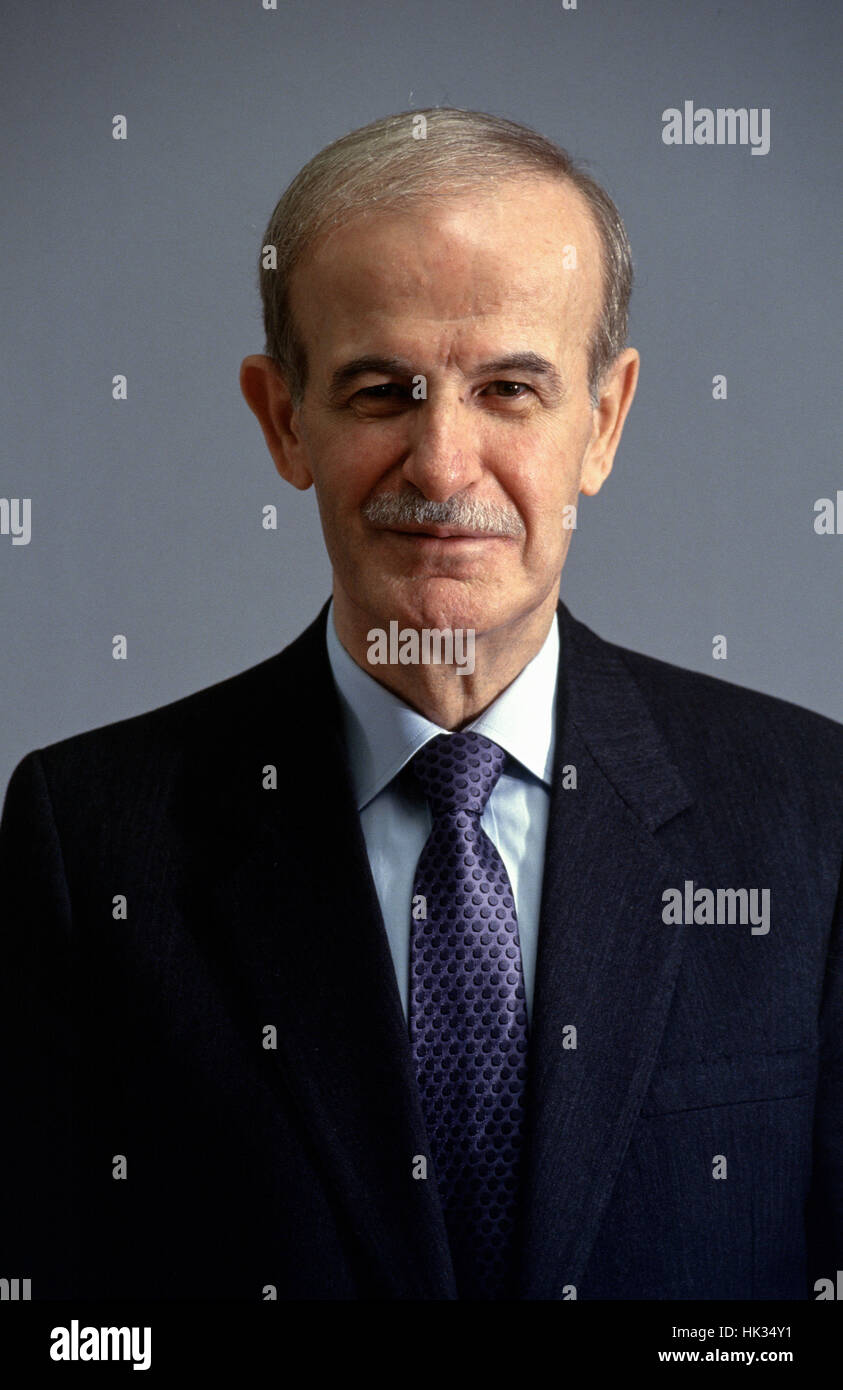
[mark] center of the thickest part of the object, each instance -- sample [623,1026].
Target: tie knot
[458,771]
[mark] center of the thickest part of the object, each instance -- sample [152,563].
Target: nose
[444,454]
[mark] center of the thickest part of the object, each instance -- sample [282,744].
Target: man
[366,975]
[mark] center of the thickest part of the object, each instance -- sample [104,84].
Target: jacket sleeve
[38,1042]
[825,1208]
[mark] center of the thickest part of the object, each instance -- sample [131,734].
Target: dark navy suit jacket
[248,1167]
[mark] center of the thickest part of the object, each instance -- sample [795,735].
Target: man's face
[450,290]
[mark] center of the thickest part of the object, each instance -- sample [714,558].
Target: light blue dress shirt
[382,735]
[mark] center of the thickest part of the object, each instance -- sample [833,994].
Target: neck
[448,694]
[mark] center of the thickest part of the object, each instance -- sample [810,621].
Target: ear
[267,395]
[609,414]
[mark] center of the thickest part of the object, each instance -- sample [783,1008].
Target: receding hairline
[486,190]
[464,190]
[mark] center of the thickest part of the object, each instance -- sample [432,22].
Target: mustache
[469,514]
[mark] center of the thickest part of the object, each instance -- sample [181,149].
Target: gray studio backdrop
[138,257]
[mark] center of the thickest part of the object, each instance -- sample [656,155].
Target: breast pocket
[731,1081]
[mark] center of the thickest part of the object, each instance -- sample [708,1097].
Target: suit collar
[607,708]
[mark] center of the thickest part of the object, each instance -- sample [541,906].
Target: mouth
[443,533]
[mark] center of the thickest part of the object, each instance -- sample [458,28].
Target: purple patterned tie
[468,1016]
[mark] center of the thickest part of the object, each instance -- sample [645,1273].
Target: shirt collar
[383,733]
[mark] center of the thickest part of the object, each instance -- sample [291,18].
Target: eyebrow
[529,362]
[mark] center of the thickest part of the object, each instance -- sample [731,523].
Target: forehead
[520,254]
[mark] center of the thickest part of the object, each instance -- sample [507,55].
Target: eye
[382,391]
[512,387]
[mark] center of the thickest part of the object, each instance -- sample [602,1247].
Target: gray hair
[382,165]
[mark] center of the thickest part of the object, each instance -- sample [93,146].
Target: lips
[442,533]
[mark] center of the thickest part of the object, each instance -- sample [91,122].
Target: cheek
[546,495]
[542,484]
[343,475]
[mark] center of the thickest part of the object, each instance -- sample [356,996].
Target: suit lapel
[606,962]
[301,932]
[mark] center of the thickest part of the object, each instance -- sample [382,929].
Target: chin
[444,604]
